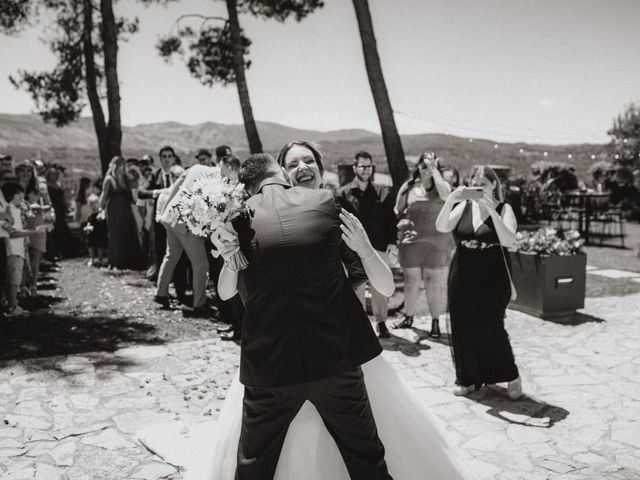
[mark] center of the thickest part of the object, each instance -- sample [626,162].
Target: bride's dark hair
[312,147]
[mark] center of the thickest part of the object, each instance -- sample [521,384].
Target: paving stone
[626,433]
[488,441]
[10,443]
[557,465]
[31,408]
[63,453]
[82,401]
[48,472]
[153,471]
[10,432]
[79,430]
[108,439]
[27,421]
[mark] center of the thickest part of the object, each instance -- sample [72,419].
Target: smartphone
[472,193]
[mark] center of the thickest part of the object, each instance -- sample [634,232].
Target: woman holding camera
[424,253]
[479,283]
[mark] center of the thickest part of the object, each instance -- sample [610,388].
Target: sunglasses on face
[365,167]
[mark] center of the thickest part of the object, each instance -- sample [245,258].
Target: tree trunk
[255,145]
[392,143]
[110,40]
[91,80]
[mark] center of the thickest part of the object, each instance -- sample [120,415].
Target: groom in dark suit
[304,332]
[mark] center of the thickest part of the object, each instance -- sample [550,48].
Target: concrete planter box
[549,286]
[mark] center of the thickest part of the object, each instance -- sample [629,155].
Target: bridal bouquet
[208,207]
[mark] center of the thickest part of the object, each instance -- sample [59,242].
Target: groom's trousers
[343,404]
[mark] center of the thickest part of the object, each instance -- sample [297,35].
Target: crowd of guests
[33,227]
[444,242]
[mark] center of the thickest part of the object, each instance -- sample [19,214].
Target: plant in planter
[548,272]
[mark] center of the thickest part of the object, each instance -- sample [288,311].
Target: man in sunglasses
[373,205]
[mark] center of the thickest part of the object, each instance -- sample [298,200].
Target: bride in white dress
[417,447]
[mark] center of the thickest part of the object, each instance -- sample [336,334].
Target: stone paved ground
[73,416]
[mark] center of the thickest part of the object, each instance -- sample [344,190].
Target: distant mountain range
[75,145]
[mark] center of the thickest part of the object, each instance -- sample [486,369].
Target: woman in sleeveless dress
[479,285]
[423,252]
[117,201]
[417,447]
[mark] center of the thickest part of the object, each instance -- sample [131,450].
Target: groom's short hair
[256,168]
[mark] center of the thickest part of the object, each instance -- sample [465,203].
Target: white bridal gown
[416,445]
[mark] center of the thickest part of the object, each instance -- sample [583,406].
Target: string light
[522,150]
[570,156]
[545,154]
[495,145]
[593,157]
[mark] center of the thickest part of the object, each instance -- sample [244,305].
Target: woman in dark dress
[479,284]
[60,241]
[117,201]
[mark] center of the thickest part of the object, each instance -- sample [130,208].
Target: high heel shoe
[406,322]
[514,389]
[435,328]
[461,391]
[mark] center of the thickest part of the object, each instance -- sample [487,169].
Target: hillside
[75,146]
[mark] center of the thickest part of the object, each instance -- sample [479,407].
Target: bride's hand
[354,235]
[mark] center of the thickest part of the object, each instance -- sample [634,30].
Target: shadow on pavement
[44,334]
[445,338]
[399,344]
[577,319]
[525,411]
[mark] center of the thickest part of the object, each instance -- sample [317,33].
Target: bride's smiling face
[302,168]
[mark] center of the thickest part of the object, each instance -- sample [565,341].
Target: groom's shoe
[383,331]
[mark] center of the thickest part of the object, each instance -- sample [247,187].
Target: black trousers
[343,404]
[3,267]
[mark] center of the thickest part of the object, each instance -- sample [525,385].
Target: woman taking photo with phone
[480,283]
[423,252]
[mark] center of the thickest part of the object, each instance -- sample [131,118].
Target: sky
[540,71]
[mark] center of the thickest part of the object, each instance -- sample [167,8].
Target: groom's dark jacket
[302,319]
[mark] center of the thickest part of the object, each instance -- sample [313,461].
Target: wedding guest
[82,207]
[373,205]
[16,246]
[229,167]
[38,215]
[61,243]
[231,310]
[479,284]
[117,203]
[5,224]
[179,240]
[96,234]
[221,152]
[182,275]
[160,179]
[204,157]
[6,162]
[423,252]
[451,175]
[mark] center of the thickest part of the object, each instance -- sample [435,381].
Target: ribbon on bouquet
[225,239]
